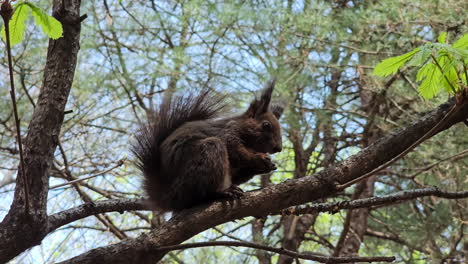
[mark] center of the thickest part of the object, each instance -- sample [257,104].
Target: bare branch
[376,201]
[119,163]
[116,205]
[6,13]
[395,238]
[318,258]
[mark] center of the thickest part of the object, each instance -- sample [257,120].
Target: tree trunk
[23,228]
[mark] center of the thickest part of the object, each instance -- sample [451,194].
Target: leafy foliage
[50,26]
[17,24]
[229,47]
[442,65]
[392,65]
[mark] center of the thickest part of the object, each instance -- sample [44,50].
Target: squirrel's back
[164,121]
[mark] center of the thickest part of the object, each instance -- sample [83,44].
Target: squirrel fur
[190,155]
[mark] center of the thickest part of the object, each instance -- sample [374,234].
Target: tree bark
[21,228]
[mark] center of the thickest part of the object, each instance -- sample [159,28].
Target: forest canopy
[374,157]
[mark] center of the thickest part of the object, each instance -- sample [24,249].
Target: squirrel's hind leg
[207,167]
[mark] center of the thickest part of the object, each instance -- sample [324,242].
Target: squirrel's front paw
[235,191]
[266,165]
[231,193]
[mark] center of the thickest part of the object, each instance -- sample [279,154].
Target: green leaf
[421,57]
[442,37]
[17,24]
[445,49]
[461,42]
[464,77]
[391,65]
[50,26]
[431,79]
[449,77]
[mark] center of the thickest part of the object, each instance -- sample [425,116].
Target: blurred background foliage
[321,52]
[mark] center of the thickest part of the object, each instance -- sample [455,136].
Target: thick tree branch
[376,201]
[120,205]
[270,199]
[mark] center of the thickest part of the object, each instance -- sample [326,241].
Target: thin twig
[23,85]
[455,157]
[119,163]
[318,258]
[6,13]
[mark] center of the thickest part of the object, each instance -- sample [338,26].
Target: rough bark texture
[22,229]
[112,205]
[186,224]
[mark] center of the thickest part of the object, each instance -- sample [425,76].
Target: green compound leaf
[391,65]
[17,24]
[461,43]
[442,65]
[50,26]
[449,68]
[421,57]
[442,37]
[431,79]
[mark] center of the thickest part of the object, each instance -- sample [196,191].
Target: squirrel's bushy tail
[171,114]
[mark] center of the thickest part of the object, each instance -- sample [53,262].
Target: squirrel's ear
[266,96]
[277,110]
[260,106]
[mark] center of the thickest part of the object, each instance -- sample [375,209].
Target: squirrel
[189,155]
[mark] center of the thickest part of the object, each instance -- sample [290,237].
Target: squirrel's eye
[266,125]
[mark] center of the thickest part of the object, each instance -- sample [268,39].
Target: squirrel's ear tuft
[277,110]
[260,106]
[266,96]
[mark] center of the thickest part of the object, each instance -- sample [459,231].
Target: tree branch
[395,239]
[427,135]
[115,205]
[376,201]
[119,163]
[282,251]
[273,198]
[6,12]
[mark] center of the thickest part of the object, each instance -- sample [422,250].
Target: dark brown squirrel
[190,156]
